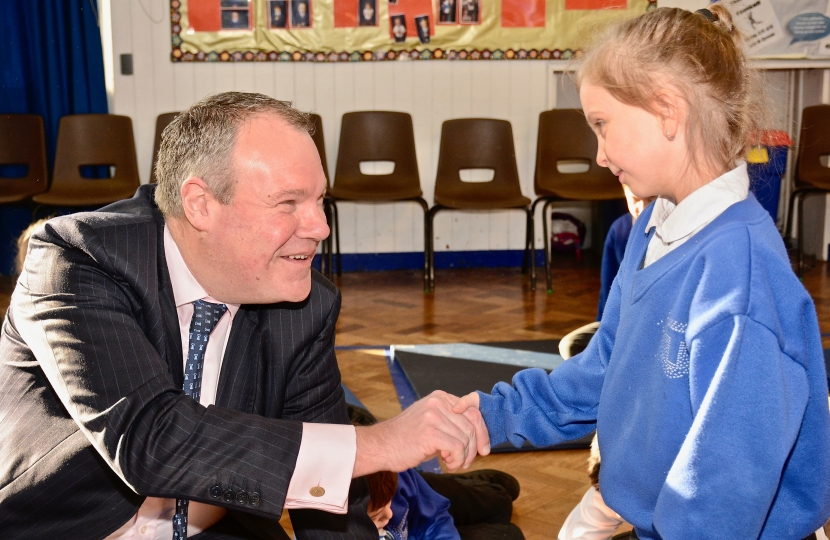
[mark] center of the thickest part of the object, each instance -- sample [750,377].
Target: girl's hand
[466,402]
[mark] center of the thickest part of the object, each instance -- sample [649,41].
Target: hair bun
[722,18]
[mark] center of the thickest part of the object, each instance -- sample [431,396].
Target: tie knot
[206,315]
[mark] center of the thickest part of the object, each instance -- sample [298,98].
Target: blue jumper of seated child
[706,380]
[415,512]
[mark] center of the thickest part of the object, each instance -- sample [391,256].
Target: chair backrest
[564,135]
[477,143]
[376,136]
[814,143]
[93,139]
[22,142]
[320,143]
[162,122]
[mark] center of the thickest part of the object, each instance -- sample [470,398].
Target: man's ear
[196,199]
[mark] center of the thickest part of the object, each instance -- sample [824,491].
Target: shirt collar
[186,289]
[675,222]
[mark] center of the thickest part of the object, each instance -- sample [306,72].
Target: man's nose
[314,225]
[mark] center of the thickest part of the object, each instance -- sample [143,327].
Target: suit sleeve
[314,395]
[80,310]
[748,407]
[548,409]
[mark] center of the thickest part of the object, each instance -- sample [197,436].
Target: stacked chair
[162,121]
[477,143]
[367,136]
[811,177]
[102,140]
[329,206]
[23,144]
[564,136]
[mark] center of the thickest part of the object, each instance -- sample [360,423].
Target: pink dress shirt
[327,452]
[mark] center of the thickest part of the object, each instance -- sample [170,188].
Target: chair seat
[97,194]
[380,191]
[580,189]
[468,201]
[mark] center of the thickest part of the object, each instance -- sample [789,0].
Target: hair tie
[706,13]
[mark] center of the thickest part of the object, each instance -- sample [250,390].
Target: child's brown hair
[702,59]
[382,486]
[23,244]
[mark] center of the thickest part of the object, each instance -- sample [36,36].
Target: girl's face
[381,516]
[633,144]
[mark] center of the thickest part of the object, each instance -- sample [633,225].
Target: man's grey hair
[200,142]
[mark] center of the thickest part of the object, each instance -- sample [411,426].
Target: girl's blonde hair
[701,59]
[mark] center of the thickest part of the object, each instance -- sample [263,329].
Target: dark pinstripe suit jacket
[92,416]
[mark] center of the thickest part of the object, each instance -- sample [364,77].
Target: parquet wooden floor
[478,306]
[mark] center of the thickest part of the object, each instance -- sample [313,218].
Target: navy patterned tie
[205,317]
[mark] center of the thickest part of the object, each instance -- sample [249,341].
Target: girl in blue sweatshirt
[706,380]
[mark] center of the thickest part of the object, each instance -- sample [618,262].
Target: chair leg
[790,227]
[530,247]
[797,201]
[337,239]
[532,241]
[325,269]
[800,268]
[546,240]
[425,206]
[431,223]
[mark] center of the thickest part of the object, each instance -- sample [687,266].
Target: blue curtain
[52,65]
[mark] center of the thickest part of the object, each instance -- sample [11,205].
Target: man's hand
[426,429]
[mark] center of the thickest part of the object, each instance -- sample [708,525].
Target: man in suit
[168,361]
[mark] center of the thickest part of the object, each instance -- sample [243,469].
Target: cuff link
[317,491]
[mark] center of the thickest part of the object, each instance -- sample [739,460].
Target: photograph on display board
[393,2]
[278,13]
[422,25]
[470,11]
[235,19]
[398,23]
[367,13]
[301,14]
[447,12]
[234,4]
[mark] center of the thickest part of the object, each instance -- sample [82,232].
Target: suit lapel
[241,364]
[172,332]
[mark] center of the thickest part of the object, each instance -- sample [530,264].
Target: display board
[375,30]
[785,29]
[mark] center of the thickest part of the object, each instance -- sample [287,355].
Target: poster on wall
[380,30]
[786,29]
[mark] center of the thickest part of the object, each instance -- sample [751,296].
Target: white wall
[431,91]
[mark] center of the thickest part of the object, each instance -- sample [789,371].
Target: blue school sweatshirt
[419,512]
[612,256]
[707,386]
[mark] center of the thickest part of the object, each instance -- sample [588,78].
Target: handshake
[439,424]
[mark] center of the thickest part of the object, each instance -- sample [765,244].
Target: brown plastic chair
[564,135]
[22,142]
[811,176]
[329,206]
[378,136]
[92,139]
[476,143]
[162,121]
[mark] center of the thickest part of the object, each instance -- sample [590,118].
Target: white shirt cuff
[323,473]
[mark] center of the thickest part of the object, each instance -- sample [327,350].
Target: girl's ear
[671,109]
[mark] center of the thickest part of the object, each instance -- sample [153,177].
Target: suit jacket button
[242,497]
[254,499]
[215,492]
[228,495]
